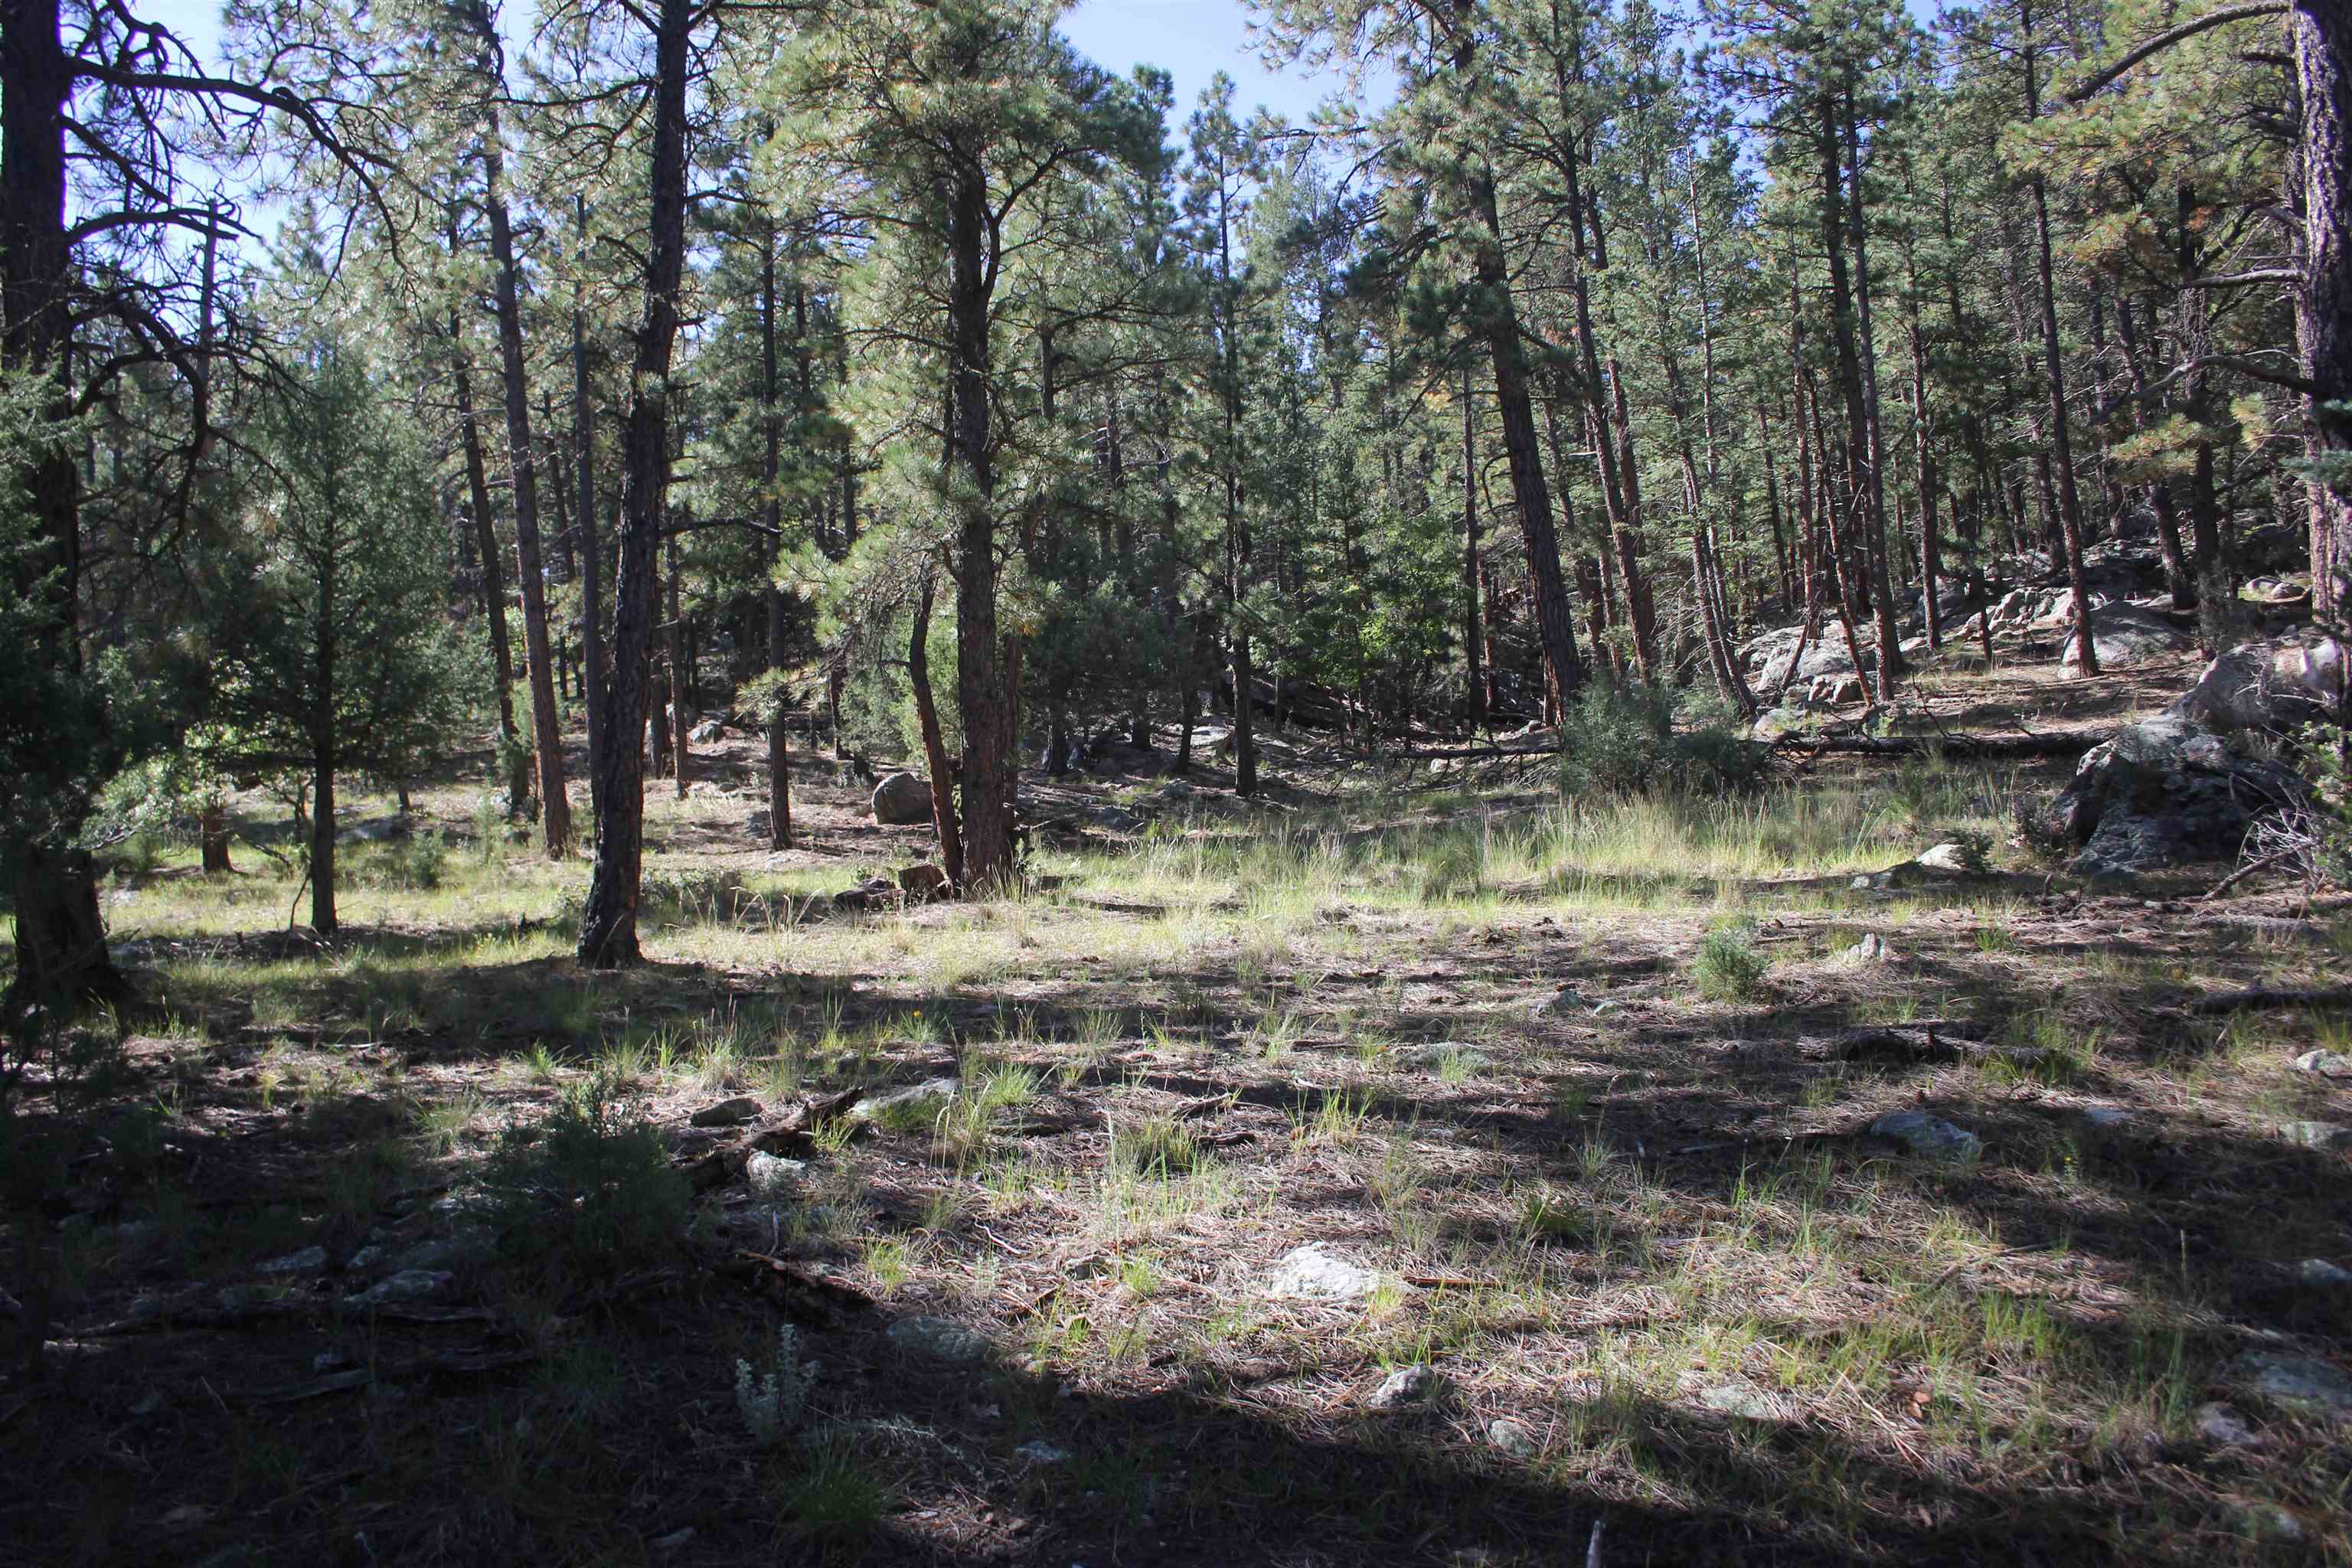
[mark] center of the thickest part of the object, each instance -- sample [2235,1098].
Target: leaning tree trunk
[494,583]
[608,930]
[935,747]
[60,940]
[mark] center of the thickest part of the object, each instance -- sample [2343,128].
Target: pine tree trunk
[522,456]
[2061,446]
[2323,59]
[212,834]
[608,930]
[592,560]
[681,679]
[780,771]
[494,588]
[1499,324]
[1472,654]
[1865,521]
[935,748]
[989,763]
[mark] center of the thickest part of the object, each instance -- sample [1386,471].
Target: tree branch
[2172,36]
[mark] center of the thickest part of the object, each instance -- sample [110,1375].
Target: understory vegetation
[1557,1085]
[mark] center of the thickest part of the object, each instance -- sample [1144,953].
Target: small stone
[929,1095]
[2324,1064]
[1567,1001]
[408,1284]
[674,1539]
[1954,859]
[364,1259]
[923,883]
[2315,1134]
[1928,1137]
[1516,1439]
[728,1112]
[2223,1426]
[2304,1381]
[2264,1521]
[1040,1452]
[1407,1387]
[771,1177]
[938,1339]
[310,1260]
[1872,949]
[2320,1272]
[2107,1116]
[1311,1274]
[1739,1399]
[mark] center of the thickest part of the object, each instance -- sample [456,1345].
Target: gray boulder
[903,800]
[2159,792]
[1928,1137]
[2272,686]
[2125,635]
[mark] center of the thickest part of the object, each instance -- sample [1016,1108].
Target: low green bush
[1622,740]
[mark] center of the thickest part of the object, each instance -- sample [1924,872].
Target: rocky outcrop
[2273,686]
[2125,635]
[2187,784]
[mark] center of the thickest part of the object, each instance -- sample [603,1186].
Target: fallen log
[2053,743]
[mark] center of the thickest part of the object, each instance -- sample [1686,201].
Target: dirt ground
[1255,1109]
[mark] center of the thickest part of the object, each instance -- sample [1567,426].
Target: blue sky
[1192,39]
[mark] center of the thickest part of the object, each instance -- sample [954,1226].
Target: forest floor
[1166,1175]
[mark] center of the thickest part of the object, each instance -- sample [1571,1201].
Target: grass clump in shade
[1728,967]
[830,1497]
[589,1190]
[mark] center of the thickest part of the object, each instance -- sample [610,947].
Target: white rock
[771,1176]
[1040,1452]
[1872,949]
[2319,1271]
[1407,1387]
[2315,1134]
[1516,1439]
[2219,1424]
[932,1093]
[1311,1274]
[2259,1521]
[1739,1399]
[2324,1064]
[2303,1381]
[1957,859]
